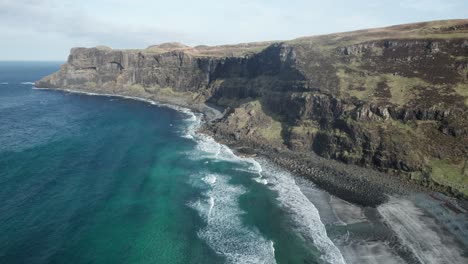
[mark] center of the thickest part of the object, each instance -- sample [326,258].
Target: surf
[304,214]
[218,203]
[218,206]
[220,198]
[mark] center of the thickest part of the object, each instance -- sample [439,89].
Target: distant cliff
[394,99]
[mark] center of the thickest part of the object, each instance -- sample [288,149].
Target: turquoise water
[93,179]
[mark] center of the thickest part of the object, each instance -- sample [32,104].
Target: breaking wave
[304,214]
[218,207]
[224,231]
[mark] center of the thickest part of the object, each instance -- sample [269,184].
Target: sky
[47,29]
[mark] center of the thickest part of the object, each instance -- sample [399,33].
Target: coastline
[365,189]
[358,185]
[355,184]
[210,113]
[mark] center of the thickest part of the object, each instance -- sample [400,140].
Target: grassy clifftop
[394,99]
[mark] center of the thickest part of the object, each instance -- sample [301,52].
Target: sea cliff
[394,100]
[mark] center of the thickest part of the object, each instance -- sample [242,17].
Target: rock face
[393,99]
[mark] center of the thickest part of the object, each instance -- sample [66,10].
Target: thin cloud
[33,29]
[62,17]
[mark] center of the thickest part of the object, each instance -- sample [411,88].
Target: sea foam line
[225,232]
[152,102]
[304,214]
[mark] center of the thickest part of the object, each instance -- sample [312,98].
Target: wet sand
[420,230]
[406,229]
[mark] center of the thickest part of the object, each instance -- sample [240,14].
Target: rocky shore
[355,184]
[369,237]
[392,99]
[358,185]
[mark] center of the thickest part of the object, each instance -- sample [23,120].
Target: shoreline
[351,183]
[210,113]
[359,187]
[345,181]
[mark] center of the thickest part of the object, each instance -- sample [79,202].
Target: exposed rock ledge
[392,99]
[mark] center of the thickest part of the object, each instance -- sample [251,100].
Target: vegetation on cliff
[394,99]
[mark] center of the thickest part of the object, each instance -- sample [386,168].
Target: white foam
[210,179]
[255,165]
[303,213]
[207,147]
[27,83]
[257,168]
[3,83]
[211,203]
[225,233]
[261,180]
[175,107]
[188,136]
[272,246]
[420,233]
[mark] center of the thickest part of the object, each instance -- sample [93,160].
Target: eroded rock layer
[393,99]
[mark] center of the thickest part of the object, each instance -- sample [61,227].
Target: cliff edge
[393,99]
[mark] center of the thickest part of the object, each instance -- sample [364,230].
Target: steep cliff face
[394,99]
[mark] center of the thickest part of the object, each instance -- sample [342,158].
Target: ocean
[102,179]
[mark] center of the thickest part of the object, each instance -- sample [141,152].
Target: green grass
[458,58]
[433,30]
[272,132]
[377,51]
[363,85]
[449,174]
[307,127]
[403,89]
[270,129]
[322,43]
[355,85]
[91,85]
[232,102]
[236,50]
[462,89]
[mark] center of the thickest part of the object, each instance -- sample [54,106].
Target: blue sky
[47,29]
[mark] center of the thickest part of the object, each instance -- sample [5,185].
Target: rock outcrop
[393,99]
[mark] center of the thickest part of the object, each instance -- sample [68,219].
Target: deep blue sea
[95,179]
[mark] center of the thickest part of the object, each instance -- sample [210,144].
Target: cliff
[393,99]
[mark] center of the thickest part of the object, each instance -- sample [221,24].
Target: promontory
[392,99]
